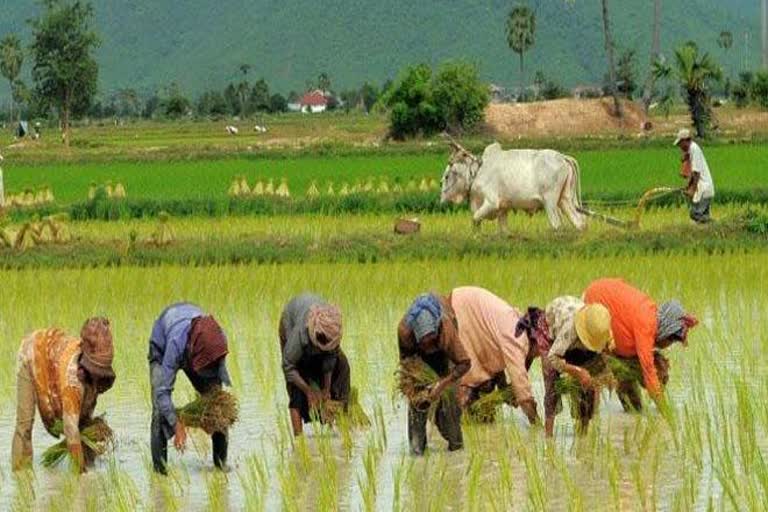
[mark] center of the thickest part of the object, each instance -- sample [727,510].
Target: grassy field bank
[710,457]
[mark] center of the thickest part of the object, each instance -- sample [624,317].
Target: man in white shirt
[701,188]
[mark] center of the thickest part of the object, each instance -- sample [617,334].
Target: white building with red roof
[314,102]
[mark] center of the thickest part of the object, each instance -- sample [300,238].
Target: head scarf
[670,319]
[207,343]
[424,315]
[97,350]
[325,320]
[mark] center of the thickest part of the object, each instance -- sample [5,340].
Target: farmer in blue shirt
[184,338]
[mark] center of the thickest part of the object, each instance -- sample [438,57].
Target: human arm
[451,344]
[693,184]
[293,351]
[645,343]
[71,407]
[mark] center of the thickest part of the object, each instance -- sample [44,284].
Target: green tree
[696,73]
[760,88]
[627,74]
[65,72]
[175,104]
[368,96]
[324,82]
[412,107]
[259,99]
[243,89]
[521,33]
[278,104]
[650,80]
[11,60]
[460,95]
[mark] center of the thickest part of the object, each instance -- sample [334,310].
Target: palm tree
[695,72]
[11,59]
[242,87]
[655,54]
[521,32]
[611,64]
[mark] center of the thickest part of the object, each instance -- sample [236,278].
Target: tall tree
[521,33]
[11,60]
[655,56]
[65,72]
[695,72]
[324,82]
[243,89]
[619,111]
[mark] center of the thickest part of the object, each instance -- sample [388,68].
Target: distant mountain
[200,43]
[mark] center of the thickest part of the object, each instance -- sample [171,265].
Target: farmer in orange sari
[61,376]
[641,329]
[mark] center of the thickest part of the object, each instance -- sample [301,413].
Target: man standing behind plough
[429,331]
[700,188]
[315,368]
[61,376]
[184,338]
[640,328]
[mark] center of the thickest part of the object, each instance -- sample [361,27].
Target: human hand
[314,398]
[180,436]
[585,379]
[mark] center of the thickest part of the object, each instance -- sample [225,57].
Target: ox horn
[454,144]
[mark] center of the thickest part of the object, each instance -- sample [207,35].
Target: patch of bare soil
[565,117]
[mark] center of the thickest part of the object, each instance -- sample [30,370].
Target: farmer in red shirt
[640,329]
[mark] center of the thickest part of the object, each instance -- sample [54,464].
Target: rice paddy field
[708,455]
[605,173]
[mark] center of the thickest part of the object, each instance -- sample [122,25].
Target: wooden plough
[649,195]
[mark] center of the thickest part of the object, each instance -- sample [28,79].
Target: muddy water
[627,462]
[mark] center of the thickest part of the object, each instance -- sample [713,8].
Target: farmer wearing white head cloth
[700,188]
[429,331]
[315,368]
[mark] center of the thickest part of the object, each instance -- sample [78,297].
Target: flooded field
[709,455]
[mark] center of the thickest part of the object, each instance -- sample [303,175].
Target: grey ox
[518,179]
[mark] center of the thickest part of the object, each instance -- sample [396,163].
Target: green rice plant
[96,438]
[211,412]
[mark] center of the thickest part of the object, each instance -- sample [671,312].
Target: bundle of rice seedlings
[397,188]
[368,187]
[630,369]
[356,188]
[109,190]
[96,438]
[355,416]
[423,186]
[119,192]
[282,190]
[415,379]
[602,377]
[164,234]
[49,198]
[92,191]
[312,191]
[234,188]
[383,187]
[269,189]
[26,237]
[411,186]
[258,188]
[212,412]
[433,184]
[7,238]
[244,188]
[485,408]
[344,189]
[330,191]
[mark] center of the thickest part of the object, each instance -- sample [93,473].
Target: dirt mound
[566,117]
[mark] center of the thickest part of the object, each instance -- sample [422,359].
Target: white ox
[518,179]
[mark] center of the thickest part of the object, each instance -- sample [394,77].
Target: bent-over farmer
[184,338]
[61,376]
[573,337]
[641,329]
[488,333]
[315,367]
[700,188]
[429,331]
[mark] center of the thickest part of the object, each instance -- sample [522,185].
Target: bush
[760,89]
[421,103]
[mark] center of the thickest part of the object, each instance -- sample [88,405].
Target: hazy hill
[200,43]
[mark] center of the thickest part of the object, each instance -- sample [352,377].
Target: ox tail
[574,181]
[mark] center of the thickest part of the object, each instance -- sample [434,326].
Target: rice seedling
[96,438]
[215,411]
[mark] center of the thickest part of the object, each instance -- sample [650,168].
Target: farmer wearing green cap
[61,377]
[315,367]
[574,337]
[700,188]
[184,338]
[430,332]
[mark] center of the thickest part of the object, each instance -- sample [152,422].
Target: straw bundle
[269,189]
[212,412]
[397,188]
[383,187]
[411,186]
[26,238]
[368,187]
[344,189]
[244,188]
[96,438]
[164,234]
[330,191]
[433,184]
[40,197]
[119,192]
[108,190]
[282,190]
[258,189]
[234,188]
[356,188]
[49,198]
[312,191]
[92,191]
[423,186]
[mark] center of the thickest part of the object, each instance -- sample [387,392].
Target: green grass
[605,174]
